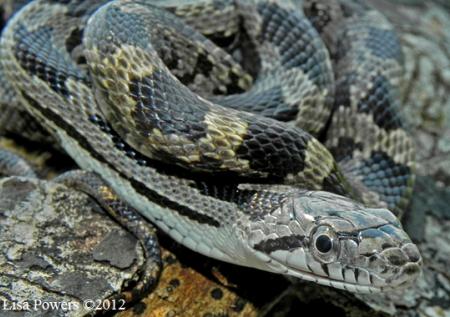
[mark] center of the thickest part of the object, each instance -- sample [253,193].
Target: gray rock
[57,247]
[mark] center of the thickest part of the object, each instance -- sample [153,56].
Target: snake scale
[258,132]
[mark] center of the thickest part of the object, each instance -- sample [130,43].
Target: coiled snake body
[226,157]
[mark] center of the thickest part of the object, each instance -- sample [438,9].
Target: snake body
[222,156]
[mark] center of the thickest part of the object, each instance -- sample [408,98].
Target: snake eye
[325,245]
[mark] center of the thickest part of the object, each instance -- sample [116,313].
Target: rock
[51,242]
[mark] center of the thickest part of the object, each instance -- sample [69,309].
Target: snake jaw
[338,248]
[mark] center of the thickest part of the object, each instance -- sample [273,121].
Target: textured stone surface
[50,242]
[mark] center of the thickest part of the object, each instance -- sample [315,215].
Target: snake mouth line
[328,281]
[348,286]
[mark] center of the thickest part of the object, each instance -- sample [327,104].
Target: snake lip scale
[261,133]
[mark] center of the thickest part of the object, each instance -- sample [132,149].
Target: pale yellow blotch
[126,63]
[319,163]
[179,147]
[114,72]
[226,133]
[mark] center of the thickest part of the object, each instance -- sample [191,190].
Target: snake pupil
[323,244]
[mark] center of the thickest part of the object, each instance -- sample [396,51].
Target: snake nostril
[395,256]
[396,259]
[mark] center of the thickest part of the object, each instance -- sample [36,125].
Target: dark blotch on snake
[256,204]
[74,40]
[274,149]
[283,243]
[318,15]
[37,56]
[345,148]
[170,112]
[173,57]
[383,106]
[58,1]
[342,92]
[279,24]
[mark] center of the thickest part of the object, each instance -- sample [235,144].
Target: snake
[263,133]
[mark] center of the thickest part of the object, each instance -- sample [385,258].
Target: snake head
[332,240]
